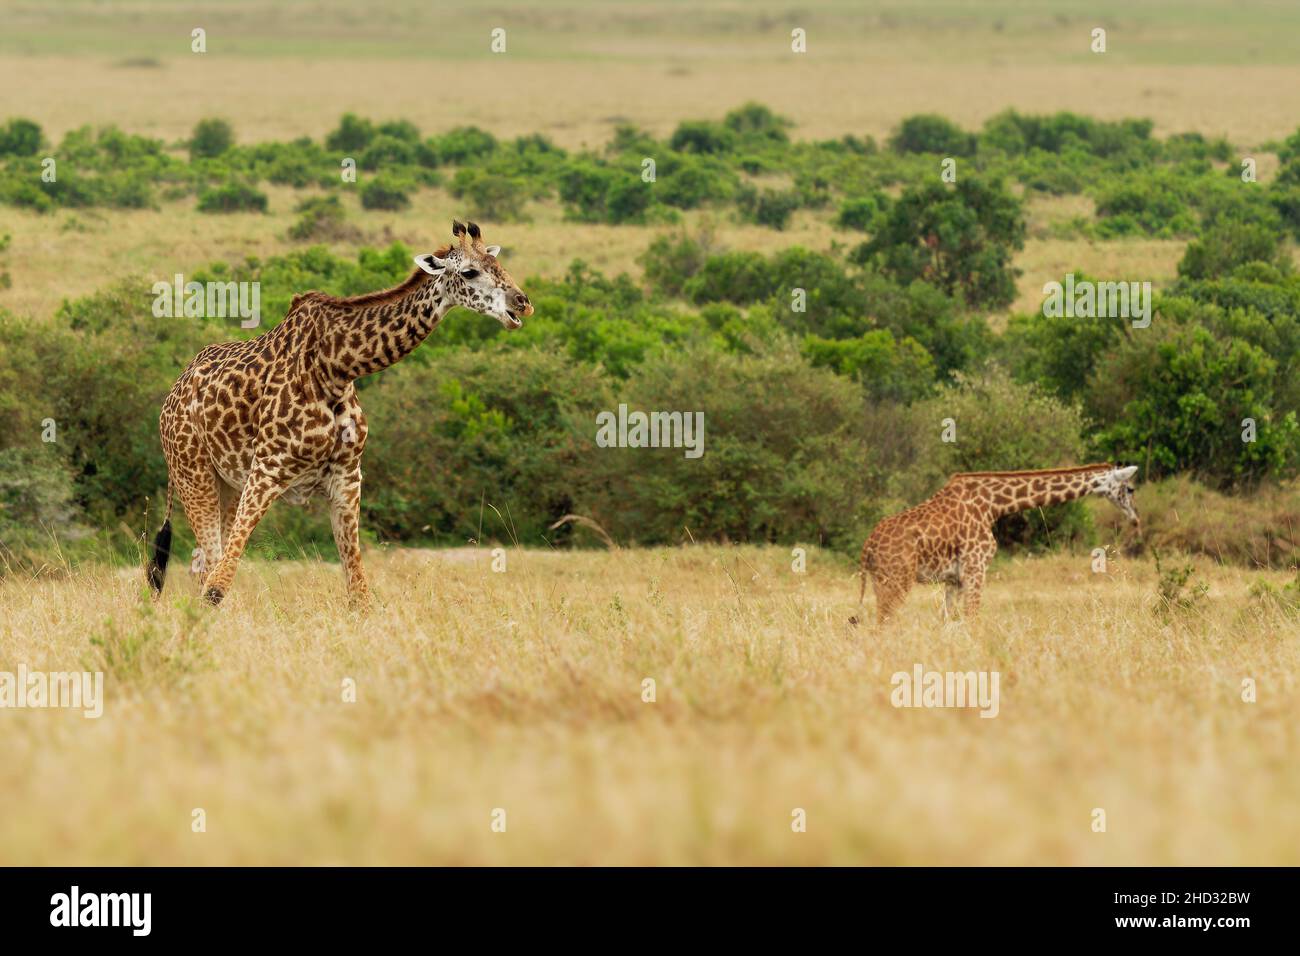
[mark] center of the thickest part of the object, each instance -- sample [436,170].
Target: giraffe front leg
[259,491]
[345,520]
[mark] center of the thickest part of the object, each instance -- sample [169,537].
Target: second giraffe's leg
[202,504]
[951,597]
[345,520]
[259,491]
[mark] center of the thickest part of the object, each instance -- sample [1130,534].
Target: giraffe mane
[1095,466]
[382,296]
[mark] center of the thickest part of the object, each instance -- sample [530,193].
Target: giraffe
[277,416]
[949,537]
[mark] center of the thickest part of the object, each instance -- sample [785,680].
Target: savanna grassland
[522,690]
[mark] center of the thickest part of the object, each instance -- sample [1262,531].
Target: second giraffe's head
[1116,485]
[471,276]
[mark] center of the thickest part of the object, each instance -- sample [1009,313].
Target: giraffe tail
[162,549]
[867,563]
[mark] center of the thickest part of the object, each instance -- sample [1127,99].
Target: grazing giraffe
[277,416]
[949,537]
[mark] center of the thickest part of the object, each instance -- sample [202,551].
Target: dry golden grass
[522,691]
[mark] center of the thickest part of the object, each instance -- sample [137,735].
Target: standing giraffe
[949,537]
[277,416]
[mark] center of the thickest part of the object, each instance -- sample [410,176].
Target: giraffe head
[1116,485]
[471,276]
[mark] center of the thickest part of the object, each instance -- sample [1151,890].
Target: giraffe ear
[431,263]
[493,251]
[1124,474]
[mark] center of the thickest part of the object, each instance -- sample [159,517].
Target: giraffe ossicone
[948,538]
[277,416]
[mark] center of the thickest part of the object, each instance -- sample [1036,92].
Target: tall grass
[523,691]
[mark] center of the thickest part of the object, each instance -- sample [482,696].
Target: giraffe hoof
[213,596]
[854,620]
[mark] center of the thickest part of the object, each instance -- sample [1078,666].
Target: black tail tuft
[162,550]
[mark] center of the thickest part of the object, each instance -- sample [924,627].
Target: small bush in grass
[211,137]
[384,192]
[490,196]
[1176,593]
[20,137]
[928,133]
[321,219]
[232,197]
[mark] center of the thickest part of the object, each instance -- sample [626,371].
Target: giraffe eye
[470,273]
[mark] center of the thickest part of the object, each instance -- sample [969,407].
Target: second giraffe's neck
[1010,492]
[372,336]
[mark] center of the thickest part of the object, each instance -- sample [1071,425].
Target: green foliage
[863,213]
[782,459]
[351,137]
[232,197]
[490,196]
[1224,247]
[960,239]
[928,133]
[211,137]
[1176,398]
[386,192]
[20,137]
[320,219]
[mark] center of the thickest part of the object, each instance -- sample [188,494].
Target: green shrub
[490,197]
[352,135]
[863,213]
[463,144]
[386,192]
[773,208]
[928,133]
[702,136]
[211,137]
[1224,247]
[1175,398]
[232,197]
[781,459]
[20,137]
[959,239]
[321,219]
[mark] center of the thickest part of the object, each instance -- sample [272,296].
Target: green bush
[781,460]
[1175,398]
[211,137]
[352,135]
[232,197]
[386,192]
[490,197]
[863,213]
[928,133]
[1224,247]
[20,137]
[960,239]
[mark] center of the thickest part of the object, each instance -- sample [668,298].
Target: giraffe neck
[1010,493]
[368,337]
